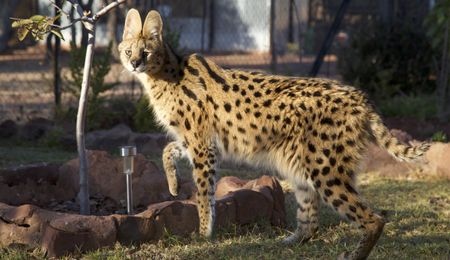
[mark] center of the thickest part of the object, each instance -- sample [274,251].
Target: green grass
[418,211]
[14,153]
[417,229]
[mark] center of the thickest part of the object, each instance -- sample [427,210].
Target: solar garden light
[128,153]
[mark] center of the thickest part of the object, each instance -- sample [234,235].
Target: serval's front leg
[203,162]
[171,154]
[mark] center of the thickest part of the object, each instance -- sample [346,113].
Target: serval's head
[142,48]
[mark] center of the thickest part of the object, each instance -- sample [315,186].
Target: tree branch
[59,8]
[76,5]
[74,21]
[107,8]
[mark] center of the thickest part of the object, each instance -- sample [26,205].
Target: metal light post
[128,153]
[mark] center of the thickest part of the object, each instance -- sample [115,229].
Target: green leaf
[21,22]
[22,33]
[57,32]
[37,18]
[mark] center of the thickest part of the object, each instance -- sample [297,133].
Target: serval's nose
[136,63]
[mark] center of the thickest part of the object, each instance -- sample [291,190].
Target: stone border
[239,202]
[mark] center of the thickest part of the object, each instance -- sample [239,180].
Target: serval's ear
[133,25]
[153,25]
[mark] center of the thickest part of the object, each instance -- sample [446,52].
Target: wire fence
[280,36]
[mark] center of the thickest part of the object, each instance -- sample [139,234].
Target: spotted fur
[312,131]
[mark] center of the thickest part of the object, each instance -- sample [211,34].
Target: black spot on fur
[258,80]
[192,70]
[187,124]
[311,148]
[326,121]
[325,170]
[267,103]
[243,77]
[339,148]
[189,92]
[334,182]
[343,197]
[337,202]
[227,107]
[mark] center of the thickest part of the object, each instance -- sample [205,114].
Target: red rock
[225,211]
[69,232]
[378,159]
[438,159]
[106,178]
[228,184]
[178,217]
[267,186]
[135,229]
[32,184]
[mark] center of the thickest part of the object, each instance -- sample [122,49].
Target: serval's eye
[128,53]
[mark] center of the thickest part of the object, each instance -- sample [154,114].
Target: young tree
[39,26]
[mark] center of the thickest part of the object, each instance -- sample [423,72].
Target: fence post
[56,67]
[211,25]
[273,53]
[329,38]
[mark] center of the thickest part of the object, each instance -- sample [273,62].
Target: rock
[106,179]
[8,129]
[378,159]
[36,128]
[148,144]
[438,159]
[56,233]
[136,229]
[271,188]
[120,135]
[263,198]
[176,217]
[67,233]
[33,184]
[227,185]
[110,139]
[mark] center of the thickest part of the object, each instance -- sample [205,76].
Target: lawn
[418,210]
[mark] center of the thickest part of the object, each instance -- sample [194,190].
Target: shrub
[420,106]
[439,136]
[388,61]
[98,114]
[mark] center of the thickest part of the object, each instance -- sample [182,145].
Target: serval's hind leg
[307,213]
[345,200]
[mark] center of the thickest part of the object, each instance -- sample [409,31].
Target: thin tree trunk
[273,49]
[73,29]
[84,32]
[56,68]
[83,195]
